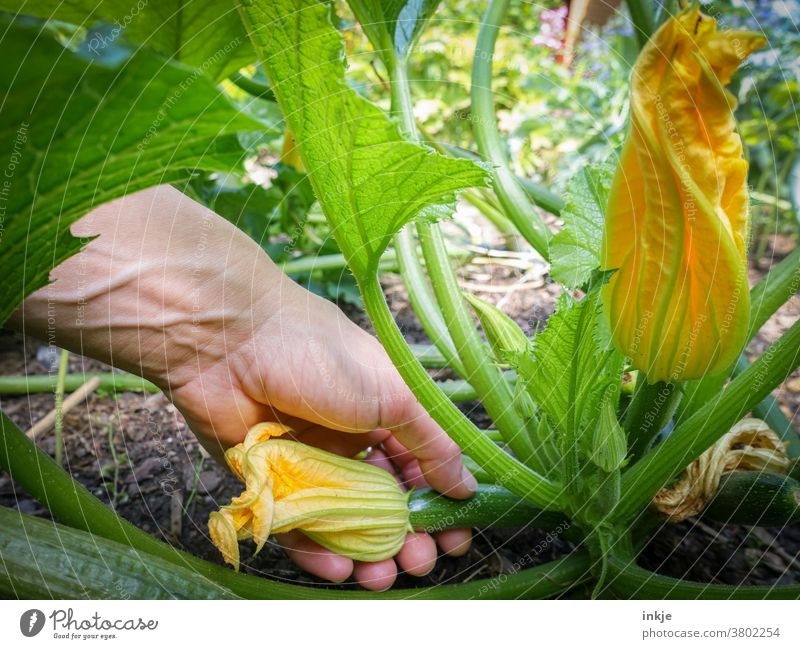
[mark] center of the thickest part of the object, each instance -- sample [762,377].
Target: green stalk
[772,292]
[540,195]
[481,370]
[709,423]
[58,425]
[252,87]
[46,383]
[311,263]
[628,580]
[476,365]
[72,503]
[419,291]
[643,22]
[770,413]
[506,470]
[651,409]
[512,197]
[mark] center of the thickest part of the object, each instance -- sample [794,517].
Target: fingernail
[468,480]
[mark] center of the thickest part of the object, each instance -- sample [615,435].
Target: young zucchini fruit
[756,498]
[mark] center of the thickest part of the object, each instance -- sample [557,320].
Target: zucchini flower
[677,219]
[352,508]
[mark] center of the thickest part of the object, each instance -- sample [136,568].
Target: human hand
[180,296]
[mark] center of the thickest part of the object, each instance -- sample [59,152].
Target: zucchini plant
[573,451]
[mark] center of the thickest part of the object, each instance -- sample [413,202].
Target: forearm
[163,279]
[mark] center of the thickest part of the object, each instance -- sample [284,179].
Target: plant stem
[709,423]
[312,263]
[540,195]
[58,426]
[481,371]
[476,366]
[512,197]
[642,16]
[72,503]
[508,471]
[419,291]
[770,412]
[628,580]
[46,383]
[650,411]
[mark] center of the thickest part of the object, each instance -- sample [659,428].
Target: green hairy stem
[512,197]
[627,580]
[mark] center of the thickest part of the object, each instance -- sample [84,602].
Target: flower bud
[349,507]
[677,217]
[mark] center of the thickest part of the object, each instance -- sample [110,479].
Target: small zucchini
[756,498]
[491,506]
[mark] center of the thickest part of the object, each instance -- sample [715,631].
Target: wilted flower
[352,508]
[677,218]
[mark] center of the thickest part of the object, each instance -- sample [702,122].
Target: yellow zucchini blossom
[677,219]
[352,508]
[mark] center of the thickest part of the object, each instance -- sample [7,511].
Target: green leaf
[205,35]
[393,26]
[574,367]
[575,249]
[370,181]
[80,133]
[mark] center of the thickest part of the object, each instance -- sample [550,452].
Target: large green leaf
[575,249]
[205,34]
[79,134]
[369,180]
[575,367]
[393,26]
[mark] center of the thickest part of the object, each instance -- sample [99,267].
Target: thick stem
[770,412]
[58,425]
[508,471]
[650,411]
[419,291]
[512,197]
[643,22]
[707,425]
[489,383]
[628,580]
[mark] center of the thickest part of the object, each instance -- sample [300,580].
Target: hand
[173,292]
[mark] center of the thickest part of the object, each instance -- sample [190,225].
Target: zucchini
[491,506]
[42,559]
[756,498]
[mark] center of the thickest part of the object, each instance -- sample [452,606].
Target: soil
[136,453]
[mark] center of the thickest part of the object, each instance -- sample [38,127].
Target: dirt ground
[135,452]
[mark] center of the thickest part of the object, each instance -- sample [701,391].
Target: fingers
[375,576]
[418,555]
[454,543]
[313,558]
[439,457]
